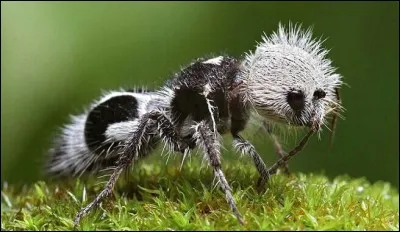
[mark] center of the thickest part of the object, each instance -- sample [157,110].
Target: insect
[287,80]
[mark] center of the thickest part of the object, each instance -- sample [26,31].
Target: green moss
[166,199]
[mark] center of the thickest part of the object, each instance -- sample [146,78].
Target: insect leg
[278,147]
[208,142]
[272,170]
[131,151]
[245,146]
[168,132]
[334,118]
[104,193]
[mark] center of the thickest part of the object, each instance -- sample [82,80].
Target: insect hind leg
[104,193]
[133,147]
[128,152]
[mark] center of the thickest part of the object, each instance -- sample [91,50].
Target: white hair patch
[215,61]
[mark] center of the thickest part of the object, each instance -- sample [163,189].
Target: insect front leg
[245,146]
[335,116]
[278,146]
[272,170]
[206,139]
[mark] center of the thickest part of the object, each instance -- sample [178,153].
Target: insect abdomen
[88,142]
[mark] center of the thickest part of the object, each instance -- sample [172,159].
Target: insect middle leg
[208,142]
[131,152]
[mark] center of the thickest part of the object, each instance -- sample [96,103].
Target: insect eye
[319,93]
[296,100]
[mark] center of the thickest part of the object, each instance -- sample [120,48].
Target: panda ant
[287,80]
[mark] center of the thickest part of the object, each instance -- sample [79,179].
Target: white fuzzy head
[289,79]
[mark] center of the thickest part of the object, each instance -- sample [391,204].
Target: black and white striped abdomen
[88,142]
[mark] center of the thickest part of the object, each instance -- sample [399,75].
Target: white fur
[208,90]
[76,152]
[289,58]
[121,131]
[215,61]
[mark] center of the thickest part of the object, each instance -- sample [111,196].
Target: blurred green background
[57,57]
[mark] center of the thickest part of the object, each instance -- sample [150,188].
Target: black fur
[189,86]
[114,110]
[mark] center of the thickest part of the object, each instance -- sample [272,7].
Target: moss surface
[155,198]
